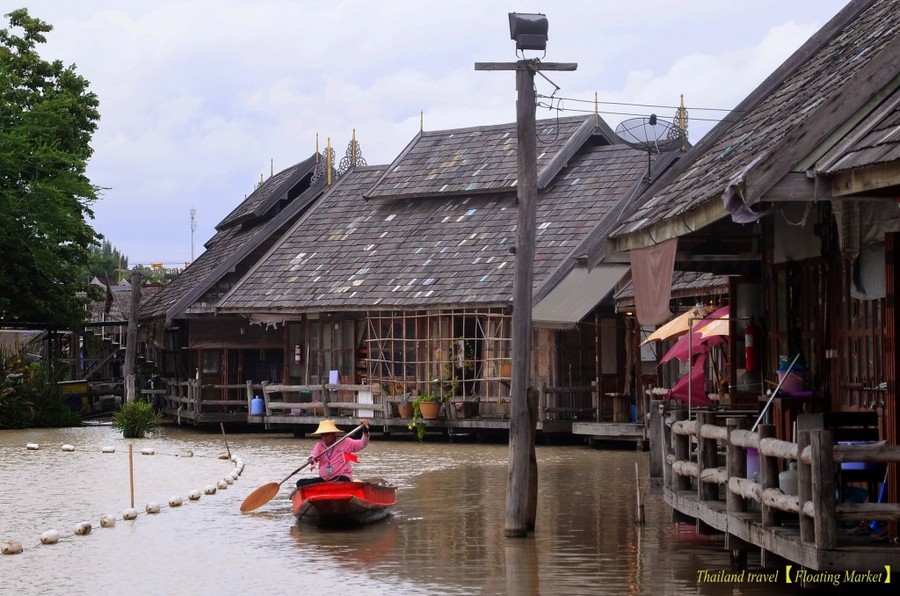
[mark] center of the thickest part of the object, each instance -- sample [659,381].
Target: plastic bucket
[792,383]
[752,463]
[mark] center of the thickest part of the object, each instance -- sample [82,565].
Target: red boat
[343,503]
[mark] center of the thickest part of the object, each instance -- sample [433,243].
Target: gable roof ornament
[352,157]
[324,164]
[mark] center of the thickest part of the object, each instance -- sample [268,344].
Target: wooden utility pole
[521,429]
[131,337]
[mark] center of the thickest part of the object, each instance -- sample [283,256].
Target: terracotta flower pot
[429,409]
[404,410]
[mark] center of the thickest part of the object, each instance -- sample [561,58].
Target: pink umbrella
[690,387]
[692,344]
[696,342]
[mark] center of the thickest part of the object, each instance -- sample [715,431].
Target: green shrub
[29,396]
[136,419]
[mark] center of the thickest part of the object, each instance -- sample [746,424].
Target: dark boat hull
[343,503]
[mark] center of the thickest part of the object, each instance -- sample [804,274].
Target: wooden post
[805,424]
[664,446]
[768,473]
[131,336]
[768,477]
[519,434]
[681,446]
[735,465]
[532,503]
[657,451]
[706,458]
[822,443]
[196,389]
[521,445]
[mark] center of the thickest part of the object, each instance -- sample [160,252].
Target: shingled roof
[418,251]
[468,161]
[250,229]
[873,142]
[823,85]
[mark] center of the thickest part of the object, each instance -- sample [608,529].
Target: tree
[107,263]
[47,119]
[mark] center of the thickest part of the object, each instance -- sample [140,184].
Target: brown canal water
[445,537]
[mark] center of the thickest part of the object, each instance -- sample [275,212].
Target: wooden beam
[795,186]
[870,178]
[522,63]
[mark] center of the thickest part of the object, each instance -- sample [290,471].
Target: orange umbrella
[679,325]
[717,327]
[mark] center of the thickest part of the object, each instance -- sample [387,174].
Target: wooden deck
[567,411]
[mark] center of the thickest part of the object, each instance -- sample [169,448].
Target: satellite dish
[650,134]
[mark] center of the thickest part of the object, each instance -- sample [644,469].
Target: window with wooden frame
[858,350]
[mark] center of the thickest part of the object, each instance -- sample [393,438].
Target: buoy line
[84,528]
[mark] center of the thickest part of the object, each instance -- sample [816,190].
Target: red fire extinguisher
[298,354]
[751,349]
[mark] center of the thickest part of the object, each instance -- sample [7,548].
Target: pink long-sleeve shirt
[332,463]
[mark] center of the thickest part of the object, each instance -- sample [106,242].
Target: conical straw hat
[327,426]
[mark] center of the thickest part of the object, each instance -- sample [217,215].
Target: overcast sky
[199,98]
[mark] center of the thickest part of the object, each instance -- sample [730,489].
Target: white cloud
[198,97]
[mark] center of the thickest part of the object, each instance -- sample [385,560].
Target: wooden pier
[705,480]
[563,410]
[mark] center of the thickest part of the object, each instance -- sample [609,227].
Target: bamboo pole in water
[131,471]
[227,450]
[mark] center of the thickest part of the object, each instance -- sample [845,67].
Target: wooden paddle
[266,492]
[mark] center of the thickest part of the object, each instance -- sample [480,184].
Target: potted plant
[404,406]
[504,369]
[425,406]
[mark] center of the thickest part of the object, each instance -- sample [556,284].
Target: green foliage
[415,422]
[29,396]
[107,263]
[136,419]
[47,119]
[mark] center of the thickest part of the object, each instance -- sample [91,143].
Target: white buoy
[221,485]
[50,537]
[11,547]
[32,446]
[194,495]
[175,501]
[108,521]
[152,508]
[223,456]
[83,529]
[228,480]
[68,447]
[234,475]
[130,513]
[210,490]
[147,451]
[109,450]
[187,454]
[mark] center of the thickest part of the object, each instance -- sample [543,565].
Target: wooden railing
[323,400]
[818,461]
